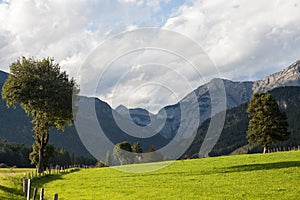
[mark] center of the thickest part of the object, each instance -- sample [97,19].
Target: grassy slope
[271,176]
[11,184]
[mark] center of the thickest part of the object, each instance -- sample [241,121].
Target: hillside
[116,125]
[237,93]
[15,126]
[233,135]
[256,176]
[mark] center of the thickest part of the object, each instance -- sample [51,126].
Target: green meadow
[11,183]
[256,176]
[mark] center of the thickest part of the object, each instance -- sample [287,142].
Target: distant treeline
[12,154]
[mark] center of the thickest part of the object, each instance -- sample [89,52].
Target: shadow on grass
[15,190]
[11,190]
[40,181]
[265,166]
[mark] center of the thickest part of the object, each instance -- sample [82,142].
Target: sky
[104,44]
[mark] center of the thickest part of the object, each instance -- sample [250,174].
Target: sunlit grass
[271,176]
[11,183]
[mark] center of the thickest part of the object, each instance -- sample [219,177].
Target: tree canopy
[45,93]
[136,147]
[123,153]
[267,122]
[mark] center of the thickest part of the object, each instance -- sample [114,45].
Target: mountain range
[233,135]
[15,125]
[237,93]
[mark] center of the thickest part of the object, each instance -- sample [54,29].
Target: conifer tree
[268,123]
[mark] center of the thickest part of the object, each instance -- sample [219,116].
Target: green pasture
[256,176]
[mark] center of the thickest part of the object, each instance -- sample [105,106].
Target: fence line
[283,149]
[29,176]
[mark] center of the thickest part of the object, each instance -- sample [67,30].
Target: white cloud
[243,38]
[159,60]
[54,29]
[154,4]
[62,29]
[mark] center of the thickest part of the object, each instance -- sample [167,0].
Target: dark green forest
[13,154]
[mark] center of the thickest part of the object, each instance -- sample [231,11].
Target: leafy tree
[136,148]
[267,122]
[48,153]
[123,153]
[45,93]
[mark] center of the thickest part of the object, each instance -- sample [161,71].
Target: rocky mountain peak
[121,109]
[287,77]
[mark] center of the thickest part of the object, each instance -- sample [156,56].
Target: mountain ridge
[289,76]
[15,126]
[237,93]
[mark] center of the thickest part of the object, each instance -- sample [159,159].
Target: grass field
[270,176]
[10,183]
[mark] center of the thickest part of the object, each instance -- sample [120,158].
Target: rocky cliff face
[140,116]
[287,77]
[237,93]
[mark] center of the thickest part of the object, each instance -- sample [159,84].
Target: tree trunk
[40,162]
[265,150]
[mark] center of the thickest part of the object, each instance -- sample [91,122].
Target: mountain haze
[237,93]
[15,125]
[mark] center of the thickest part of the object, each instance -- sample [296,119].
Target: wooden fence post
[42,194]
[56,197]
[34,193]
[24,185]
[28,189]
